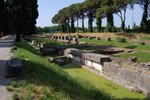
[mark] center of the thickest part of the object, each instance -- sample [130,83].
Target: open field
[43,80]
[142,52]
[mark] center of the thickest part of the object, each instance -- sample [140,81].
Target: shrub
[121,40]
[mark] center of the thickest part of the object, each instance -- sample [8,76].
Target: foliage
[137,29]
[44,80]
[50,29]
[4,27]
[121,40]
[23,15]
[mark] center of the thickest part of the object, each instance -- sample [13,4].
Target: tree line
[99,9]
[18,17]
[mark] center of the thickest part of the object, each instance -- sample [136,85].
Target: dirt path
[5,55]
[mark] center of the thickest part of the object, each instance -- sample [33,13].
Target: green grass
[114,42]
[107,86]
[141,56]
[145,38]
[42,80]
[48,41]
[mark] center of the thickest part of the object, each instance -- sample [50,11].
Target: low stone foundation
[130,75]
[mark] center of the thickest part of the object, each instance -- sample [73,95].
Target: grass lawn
[114,42]
[141,56]
[129,44]
[42,80]
[102,84]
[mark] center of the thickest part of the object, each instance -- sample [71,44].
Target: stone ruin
[49,50]
[124,72]
[65,39]
[14,68]
[60,60]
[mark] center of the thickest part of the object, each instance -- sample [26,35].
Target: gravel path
[5,46]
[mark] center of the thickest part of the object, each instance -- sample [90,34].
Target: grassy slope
[114,90]
[45,81]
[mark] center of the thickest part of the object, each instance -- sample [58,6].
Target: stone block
[141,43]
[108,39]
[47,51]
[97,38]
[76,52]
[111,68]
[98,58]
[133,59]
[14,68]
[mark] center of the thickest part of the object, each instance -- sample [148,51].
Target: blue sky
[48,8]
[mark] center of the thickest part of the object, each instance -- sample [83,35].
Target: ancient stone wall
[131,75]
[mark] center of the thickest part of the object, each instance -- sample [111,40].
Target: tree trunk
[68,27]
[72,25]
[83,25]
[144,22]
[90,22]
[18,37]
[99,24]
[110,22]
[77,25]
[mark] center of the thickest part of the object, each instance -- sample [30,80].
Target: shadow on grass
[23,44]
[70,66]
[131,47]
[38,74]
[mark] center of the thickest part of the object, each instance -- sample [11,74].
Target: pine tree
[23,17]
[3,16]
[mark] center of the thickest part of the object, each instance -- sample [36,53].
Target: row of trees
[98,9]
[18,16]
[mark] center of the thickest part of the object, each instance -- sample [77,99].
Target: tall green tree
[144,22]
[108,10]
[121,8]
[3,16]
[99,19]
[23,17]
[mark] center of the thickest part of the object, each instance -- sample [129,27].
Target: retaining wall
[125,73]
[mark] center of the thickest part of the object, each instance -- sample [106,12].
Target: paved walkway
[5,46]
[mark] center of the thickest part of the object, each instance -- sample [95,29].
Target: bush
[121,40]
[137,29]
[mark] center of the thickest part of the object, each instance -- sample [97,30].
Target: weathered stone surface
[109,51]
[82,42]
[141,43]
[75,41]
[111,68]
[14,68]
[133,59]
[97,38]
[47,51]
[144,81]
[98,58]
[59,60]
[108,39]
[77,53]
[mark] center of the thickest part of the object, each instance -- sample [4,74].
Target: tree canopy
[98,9]
[21,16]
